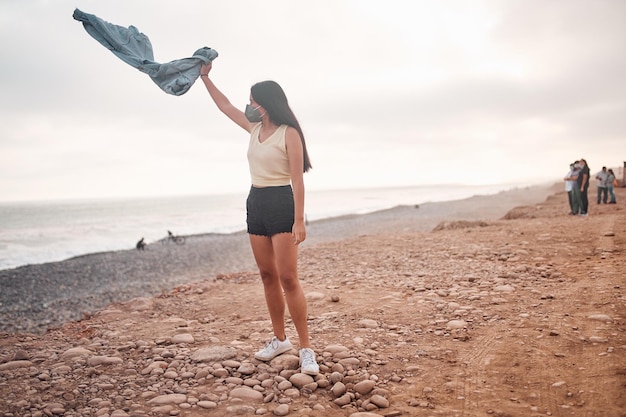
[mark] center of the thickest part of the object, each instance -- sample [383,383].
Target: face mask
[253,114]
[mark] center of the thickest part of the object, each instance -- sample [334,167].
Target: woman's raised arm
[221,101]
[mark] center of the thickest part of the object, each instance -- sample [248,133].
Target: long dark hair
[271,96]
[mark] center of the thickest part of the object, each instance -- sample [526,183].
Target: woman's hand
[206,68]
[298,232]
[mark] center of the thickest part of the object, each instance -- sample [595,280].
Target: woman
[277,157]
[610,185]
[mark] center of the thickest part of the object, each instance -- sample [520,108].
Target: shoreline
[94,228]
[38,297]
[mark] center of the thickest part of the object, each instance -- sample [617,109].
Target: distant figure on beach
[277,158]
[172,238]
[571,186]
[602,177]
[141,245]
[583,184]
[610,184]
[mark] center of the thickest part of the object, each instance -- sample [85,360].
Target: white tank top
[269,165]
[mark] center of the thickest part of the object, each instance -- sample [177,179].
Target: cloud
[393,93]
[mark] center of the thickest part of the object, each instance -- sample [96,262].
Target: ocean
[49,231]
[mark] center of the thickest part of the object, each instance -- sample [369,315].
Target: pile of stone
[167,378]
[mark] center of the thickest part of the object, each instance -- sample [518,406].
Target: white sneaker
[308,364]
[273,348]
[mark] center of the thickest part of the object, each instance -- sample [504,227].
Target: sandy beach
[37,297]
[499,305]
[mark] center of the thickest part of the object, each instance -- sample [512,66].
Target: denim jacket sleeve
[134,48]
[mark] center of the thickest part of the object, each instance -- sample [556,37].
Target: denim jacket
[134,48]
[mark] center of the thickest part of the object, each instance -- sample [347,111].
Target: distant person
[277,159]
[583,184]
[571,187]
[141,245]
[601,177]
[610,184]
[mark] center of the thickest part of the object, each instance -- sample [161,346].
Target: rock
[286,361]
[368,323]
[75,352]
[239,410]
[364,387]
[168,399]
[246,369]
[300,380]
[456,324]
[281,410]
[336,377]
[334,349]
[246,394]
[338,389]
[104,360]
[343,400]
[231,363]
[379,401]
[312,296]
[183,338]
[209,405]
[504,288]
[600,317]
[15,365]
[598,339]
[284,385]
[21,355]
[213,354]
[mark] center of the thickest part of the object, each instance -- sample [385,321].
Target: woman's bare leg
[264,255]
[277,259]
[287,265]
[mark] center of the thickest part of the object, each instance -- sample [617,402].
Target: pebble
[281,410]
[168,399]
[598,339]
[315,295]
[183,338]
[75,353]
[338,389]
[379,401]
[600,317]
[164,379]
[15,365]
[456,324]
[104,360]
[364,387]
[247,394]
[299,380]
[368,323]
[213,354]
[504,288]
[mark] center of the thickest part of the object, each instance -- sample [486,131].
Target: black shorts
[269,210]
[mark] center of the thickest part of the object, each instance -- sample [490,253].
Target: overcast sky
[389,93]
